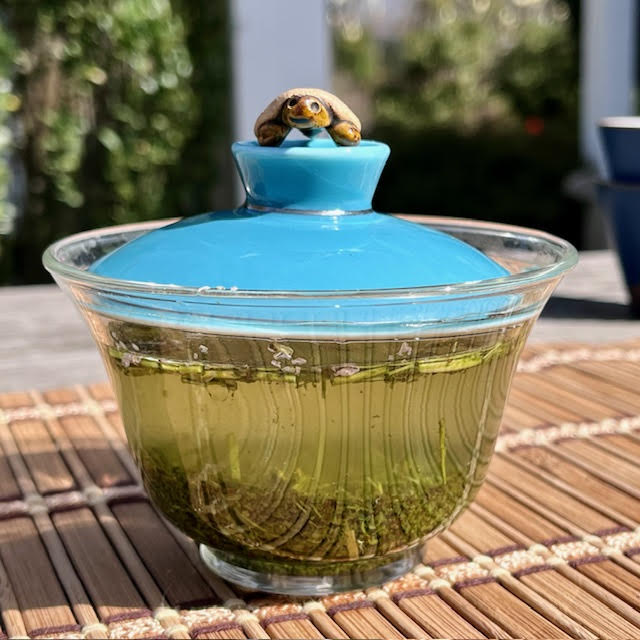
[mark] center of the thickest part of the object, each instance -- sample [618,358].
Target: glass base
[274,579]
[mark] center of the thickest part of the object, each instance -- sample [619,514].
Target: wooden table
[45,343]
[549,549]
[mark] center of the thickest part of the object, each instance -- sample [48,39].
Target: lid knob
[310,111]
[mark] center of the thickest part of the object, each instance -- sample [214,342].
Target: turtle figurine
[309,110]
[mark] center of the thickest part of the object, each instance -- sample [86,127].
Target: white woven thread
[377,594]
[47,411]
[546,436]
[36,504]
[245,616]
[95,627]
[234,603]
[176,629]
[94,495]
[538,548]
[313,605]
[423,571]
[439,583]
[554,357]
[484,561]
[499,572]
[165,613]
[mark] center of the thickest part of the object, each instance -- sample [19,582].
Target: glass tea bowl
[312,441]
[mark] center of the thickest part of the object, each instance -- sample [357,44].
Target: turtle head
[305,112]
[310,111]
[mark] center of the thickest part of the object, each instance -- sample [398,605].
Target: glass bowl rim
[491,286]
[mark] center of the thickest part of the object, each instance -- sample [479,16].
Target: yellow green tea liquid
[305,461]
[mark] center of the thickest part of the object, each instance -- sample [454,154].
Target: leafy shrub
[478,101]
[114,120]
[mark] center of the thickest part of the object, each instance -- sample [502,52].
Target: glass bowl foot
[277,577]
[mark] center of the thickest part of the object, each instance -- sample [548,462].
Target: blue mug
[621,204]
[621,142]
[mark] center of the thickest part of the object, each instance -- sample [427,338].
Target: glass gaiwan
[310,389]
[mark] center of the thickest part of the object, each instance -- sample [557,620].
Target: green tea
[300,456]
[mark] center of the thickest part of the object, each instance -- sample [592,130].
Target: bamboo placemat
[549,549]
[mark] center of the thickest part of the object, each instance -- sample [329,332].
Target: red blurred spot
[534,125]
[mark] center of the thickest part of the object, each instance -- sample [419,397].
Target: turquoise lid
[306,225]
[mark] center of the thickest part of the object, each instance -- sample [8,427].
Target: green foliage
[547,90]
[478,100]
[468,67]
[109,106]
[444,76]
[499,175]
[9,102]
[357,51]
[203,157]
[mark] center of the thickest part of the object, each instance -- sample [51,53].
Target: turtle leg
[344,133]
[272,133]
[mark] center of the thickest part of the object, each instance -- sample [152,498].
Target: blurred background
[118,111]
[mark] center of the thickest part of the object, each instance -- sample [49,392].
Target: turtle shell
[340,110]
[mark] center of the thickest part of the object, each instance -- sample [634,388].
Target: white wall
[608,42]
